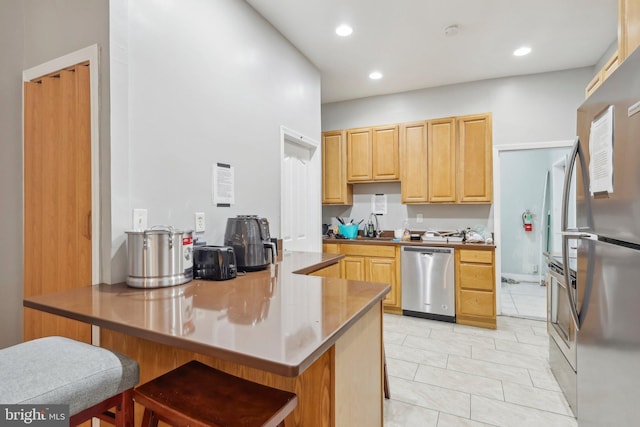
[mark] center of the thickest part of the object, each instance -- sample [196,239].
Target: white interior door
[300,226]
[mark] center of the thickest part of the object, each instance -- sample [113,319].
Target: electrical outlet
[419,218]
[200,223]
[139,219]
[534,268]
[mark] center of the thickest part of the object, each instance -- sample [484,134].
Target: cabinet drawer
[330,248]
[369,250]
[476,303]
[476,276]
[467,255]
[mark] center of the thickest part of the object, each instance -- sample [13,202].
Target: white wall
[34,32]
[533,108]
[11,19]
[193,83]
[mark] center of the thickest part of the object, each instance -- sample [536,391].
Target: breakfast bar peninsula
[320,337]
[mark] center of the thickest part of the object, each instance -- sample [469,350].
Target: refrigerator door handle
[577,154]
[573,303]
[567,279]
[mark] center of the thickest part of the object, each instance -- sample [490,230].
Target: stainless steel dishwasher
[428,287]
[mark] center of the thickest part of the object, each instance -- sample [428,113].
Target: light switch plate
[419,218]
[200,222]
[139,219]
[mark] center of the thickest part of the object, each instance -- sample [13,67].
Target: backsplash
[435,216]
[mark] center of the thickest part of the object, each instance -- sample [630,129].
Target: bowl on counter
[350,231]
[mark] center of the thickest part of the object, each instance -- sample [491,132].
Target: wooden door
[335,190]
[57,195]
[385,150]
[442,160]
[475,168]
[359,156]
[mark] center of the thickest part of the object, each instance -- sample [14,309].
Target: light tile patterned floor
[524,299]
[448,375]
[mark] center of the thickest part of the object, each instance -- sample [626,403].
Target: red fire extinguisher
[526,220]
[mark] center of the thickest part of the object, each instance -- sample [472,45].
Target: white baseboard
[533,278]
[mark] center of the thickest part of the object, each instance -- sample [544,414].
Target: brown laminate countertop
[385,241]
[275,320]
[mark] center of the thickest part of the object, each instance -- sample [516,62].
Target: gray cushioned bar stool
[57,370]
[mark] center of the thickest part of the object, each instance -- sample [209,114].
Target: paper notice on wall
[601,153]
[379,204]
[223,184]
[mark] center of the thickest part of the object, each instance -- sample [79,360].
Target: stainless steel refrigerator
[606,303]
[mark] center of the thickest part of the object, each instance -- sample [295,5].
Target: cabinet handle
[89,225]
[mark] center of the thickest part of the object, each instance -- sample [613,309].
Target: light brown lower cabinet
[474,276]
[372,263]
[475,287]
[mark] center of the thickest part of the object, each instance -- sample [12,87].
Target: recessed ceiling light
[522,51]
[376,75]
[344,30]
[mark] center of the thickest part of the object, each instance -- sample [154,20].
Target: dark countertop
[388,241]
[275,320]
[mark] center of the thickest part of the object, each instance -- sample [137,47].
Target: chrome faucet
[377,231]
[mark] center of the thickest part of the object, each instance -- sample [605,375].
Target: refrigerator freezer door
[614,214]
[608,357]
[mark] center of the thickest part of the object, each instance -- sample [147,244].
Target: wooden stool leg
[149,419]
[124,410]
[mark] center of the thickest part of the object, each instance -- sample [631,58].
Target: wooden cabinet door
[632,12]
[335,190]
[413,162]
[353,268]
[385,151]
[475,169]
[359,155]
[442,160]
[383,270]
[628,27]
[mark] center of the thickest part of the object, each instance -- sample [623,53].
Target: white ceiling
[405,40]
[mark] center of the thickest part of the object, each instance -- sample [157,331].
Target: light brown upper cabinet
[442,160]
[608,69]
[413,160]
[372,154]
[385,165]
[628,41]
[359,155]
[335,190]
[475,168]
[628,27]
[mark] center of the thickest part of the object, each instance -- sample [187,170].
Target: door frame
[315,190]
[497,150]
[88,54]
